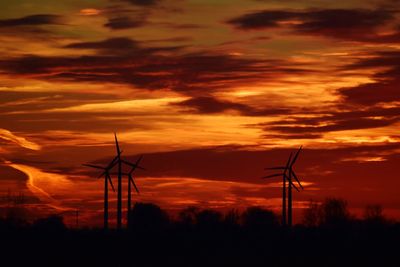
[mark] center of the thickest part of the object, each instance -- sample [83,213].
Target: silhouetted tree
[148,217]
[232,218]
[17,216]
[208,219]
[373,214]
[53,223]
[334,212]
[311,215]
[209,242]
[187,216]
[257,218]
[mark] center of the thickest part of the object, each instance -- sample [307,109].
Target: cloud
[121,45]
[111,45]
[386,87]
[143,2]
[120,23]
[338,125]
[18,140]
[124,61]
[41,19]
[263,19]
[208,105]
[315,126]
[212,105]
[372,93]
[378,59]
[349,24]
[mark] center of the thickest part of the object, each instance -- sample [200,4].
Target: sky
[210,92]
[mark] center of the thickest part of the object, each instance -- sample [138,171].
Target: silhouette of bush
[334,211]
[148,217]
[373,214]
[258,240]
[53,223]
[257,218]
[311,215]
[232,218]
[187,216]
[208,219]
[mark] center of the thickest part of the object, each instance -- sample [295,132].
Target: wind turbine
[130,183]
[107,180]
[119,196]
[287,174]
[290,200]
[284,177]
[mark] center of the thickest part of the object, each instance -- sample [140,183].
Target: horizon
[210,93]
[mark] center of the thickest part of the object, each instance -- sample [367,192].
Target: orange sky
[211,92]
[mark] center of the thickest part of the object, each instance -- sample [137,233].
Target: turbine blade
[128,163]
[110,181]
[295,157]
[291,181]
[133,165]
[133,182]
[287,163]
[275,168]
[272,175]
[295,187]
[116,173]
[116,144]
[113,162]
[138,160]
[93,166]
[297,180]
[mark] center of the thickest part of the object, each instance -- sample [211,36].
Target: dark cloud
[384,89]
[372,93]
[378,59]
[185,26]
[151,68]
[348,24]
[208,104]
[122,45]
[172,39]
[41,19]
[143,2]
[337,125]
[286,135]
[8,173]
[314,127]
[263,19]
[109,45]
[212,105]
[121,23]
